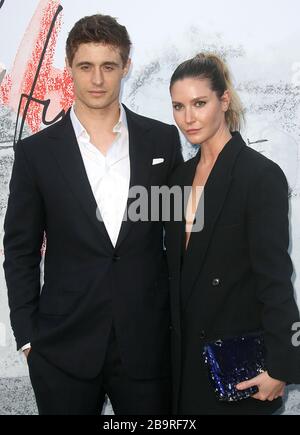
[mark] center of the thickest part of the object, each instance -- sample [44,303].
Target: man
[100,323]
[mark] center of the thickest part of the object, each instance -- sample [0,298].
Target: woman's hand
[269,388]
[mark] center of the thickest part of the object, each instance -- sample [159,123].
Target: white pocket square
[157,161]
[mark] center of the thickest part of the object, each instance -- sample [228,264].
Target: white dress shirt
[109,176]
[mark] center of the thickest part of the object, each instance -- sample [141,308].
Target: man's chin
[98,106]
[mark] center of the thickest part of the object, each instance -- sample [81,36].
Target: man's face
[97,71]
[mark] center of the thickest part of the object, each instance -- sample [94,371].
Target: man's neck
[98,120]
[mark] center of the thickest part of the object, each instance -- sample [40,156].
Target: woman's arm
[268,238]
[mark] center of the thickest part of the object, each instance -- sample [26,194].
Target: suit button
[202,335]
[216,282]
[116,258]
[171,328]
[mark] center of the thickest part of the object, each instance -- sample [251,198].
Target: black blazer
[88,284]
[235,276]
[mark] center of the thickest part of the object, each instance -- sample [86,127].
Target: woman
[234,275]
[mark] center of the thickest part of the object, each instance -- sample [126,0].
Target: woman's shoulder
[254,164]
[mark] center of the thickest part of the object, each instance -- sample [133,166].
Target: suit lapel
[215,193]
[67,153]
[140,154]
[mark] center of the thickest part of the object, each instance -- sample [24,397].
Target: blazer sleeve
[268,236]
[176,157]
[23,239]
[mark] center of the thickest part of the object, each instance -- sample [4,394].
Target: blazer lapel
[215,192]
[140,154]
[178,233]
[176,238]
[67,153]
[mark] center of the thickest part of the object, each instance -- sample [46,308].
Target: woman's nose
[189,116]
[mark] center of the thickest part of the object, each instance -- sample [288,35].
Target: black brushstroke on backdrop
[44,103]
[257,141]
[1,3]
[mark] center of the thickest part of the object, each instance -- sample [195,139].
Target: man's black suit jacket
[88,284]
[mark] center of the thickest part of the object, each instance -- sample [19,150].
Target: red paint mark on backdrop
[53,84]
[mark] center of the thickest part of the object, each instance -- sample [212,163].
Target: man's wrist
[26,352]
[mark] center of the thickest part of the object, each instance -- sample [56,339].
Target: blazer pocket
[48,322]
[60,304]
[158,161]
[73,290]
[229,226]
[69,301]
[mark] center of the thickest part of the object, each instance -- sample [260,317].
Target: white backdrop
[260,40]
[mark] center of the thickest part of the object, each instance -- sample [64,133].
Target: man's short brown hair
[98,28]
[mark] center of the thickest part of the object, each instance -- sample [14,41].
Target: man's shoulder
[42,137]
[147,121]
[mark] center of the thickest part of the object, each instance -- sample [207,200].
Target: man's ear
[126,68]
[69,68]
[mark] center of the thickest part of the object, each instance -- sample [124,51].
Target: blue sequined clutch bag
[234,360]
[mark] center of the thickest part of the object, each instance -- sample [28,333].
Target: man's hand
[27,352]
[269,388]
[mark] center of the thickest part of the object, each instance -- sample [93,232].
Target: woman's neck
[211,148]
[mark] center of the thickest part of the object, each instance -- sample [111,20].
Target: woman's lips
[193,131]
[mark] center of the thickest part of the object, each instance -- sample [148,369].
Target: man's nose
[97,77]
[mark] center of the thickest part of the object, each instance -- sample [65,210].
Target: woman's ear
[225,100]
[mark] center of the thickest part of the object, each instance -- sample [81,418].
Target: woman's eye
[177,106]
[200,103]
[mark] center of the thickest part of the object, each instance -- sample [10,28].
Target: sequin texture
[234,360]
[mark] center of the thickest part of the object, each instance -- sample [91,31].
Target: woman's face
[198,111]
